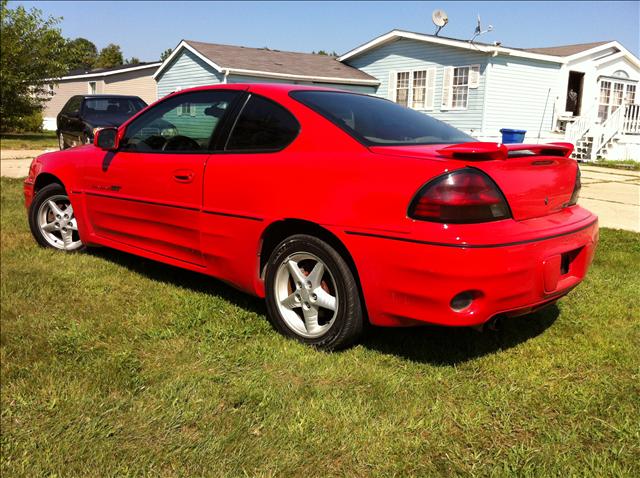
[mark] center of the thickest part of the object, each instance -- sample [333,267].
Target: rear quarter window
[262,126]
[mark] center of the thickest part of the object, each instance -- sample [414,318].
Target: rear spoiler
[480,151]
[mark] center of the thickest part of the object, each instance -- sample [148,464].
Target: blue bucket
[512,135]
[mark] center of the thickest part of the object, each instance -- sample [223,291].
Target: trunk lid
[536,179]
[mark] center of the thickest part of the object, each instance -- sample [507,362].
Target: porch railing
[607,130]
[579,128]
[631,120]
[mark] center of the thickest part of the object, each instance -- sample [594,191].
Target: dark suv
[83,114]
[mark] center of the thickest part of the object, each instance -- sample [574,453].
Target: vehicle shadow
[180,277]
[429,344]
[454,345]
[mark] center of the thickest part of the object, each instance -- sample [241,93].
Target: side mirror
[106,138]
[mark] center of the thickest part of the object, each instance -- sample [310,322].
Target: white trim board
[106,73]
[489,49]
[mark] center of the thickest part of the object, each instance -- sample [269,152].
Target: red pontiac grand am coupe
[336,207]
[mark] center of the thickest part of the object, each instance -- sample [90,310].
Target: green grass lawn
[628,164]
[117,366]
[44,140]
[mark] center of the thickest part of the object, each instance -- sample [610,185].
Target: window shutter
[179,110]
[430,90]
[474,76]
[192,110]
[447,88]
[391,87]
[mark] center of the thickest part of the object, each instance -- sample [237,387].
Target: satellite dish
[440,19]
[478,31]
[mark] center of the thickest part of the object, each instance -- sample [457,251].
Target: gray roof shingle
[566,50]
[275,61]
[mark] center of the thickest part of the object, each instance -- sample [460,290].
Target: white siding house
[482,88]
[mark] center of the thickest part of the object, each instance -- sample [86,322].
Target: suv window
[183,123]
[112,106]
[73,105]
[262,126]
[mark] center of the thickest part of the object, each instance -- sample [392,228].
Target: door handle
[183,176]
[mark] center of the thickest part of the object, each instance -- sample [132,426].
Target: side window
[184,123]
[73,105]
[262,126]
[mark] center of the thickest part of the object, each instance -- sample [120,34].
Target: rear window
[378,122]
[112,106]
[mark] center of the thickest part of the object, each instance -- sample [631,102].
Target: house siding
[186,71]
[65,90]
[139,83]
[405,54]
[519,92]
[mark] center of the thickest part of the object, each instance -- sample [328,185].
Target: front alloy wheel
[52,220]
[312,294]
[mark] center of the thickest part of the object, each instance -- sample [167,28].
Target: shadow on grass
[429,344]
[454,345]
[180,277]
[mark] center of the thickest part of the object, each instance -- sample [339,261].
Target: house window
[92,87]
[414,88]
[456,83]
[631,95]
[618,95]
[187,109]
[605,100]
[419,91]
[402,88]
[460,89]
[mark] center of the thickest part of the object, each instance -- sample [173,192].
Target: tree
[132,61]
[82,54]
[33,55]
[165,54]
[110,56]
[322,52]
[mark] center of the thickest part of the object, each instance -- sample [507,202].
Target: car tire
[52,221]
[312,294]
[61,143]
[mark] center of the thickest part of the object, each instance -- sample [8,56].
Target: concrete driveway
[613,194]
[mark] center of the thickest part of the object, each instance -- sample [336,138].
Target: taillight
[463,196]
[576,189]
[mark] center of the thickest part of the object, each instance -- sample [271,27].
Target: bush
[23,124]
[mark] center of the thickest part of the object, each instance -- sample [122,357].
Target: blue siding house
[587,94]
[478,88]
[196,63]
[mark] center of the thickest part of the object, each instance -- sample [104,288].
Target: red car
[338,208]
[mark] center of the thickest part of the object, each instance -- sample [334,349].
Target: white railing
[578,128]
[631,120]
[607,130]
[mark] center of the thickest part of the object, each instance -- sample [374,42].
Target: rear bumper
[408,282]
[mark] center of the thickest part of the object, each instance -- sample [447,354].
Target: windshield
[112,107]
[378,122]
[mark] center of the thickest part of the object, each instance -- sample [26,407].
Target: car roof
[261,88]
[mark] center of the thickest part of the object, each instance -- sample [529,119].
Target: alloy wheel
[57,223]
[306,295]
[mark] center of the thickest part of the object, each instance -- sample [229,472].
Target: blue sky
[145,29]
